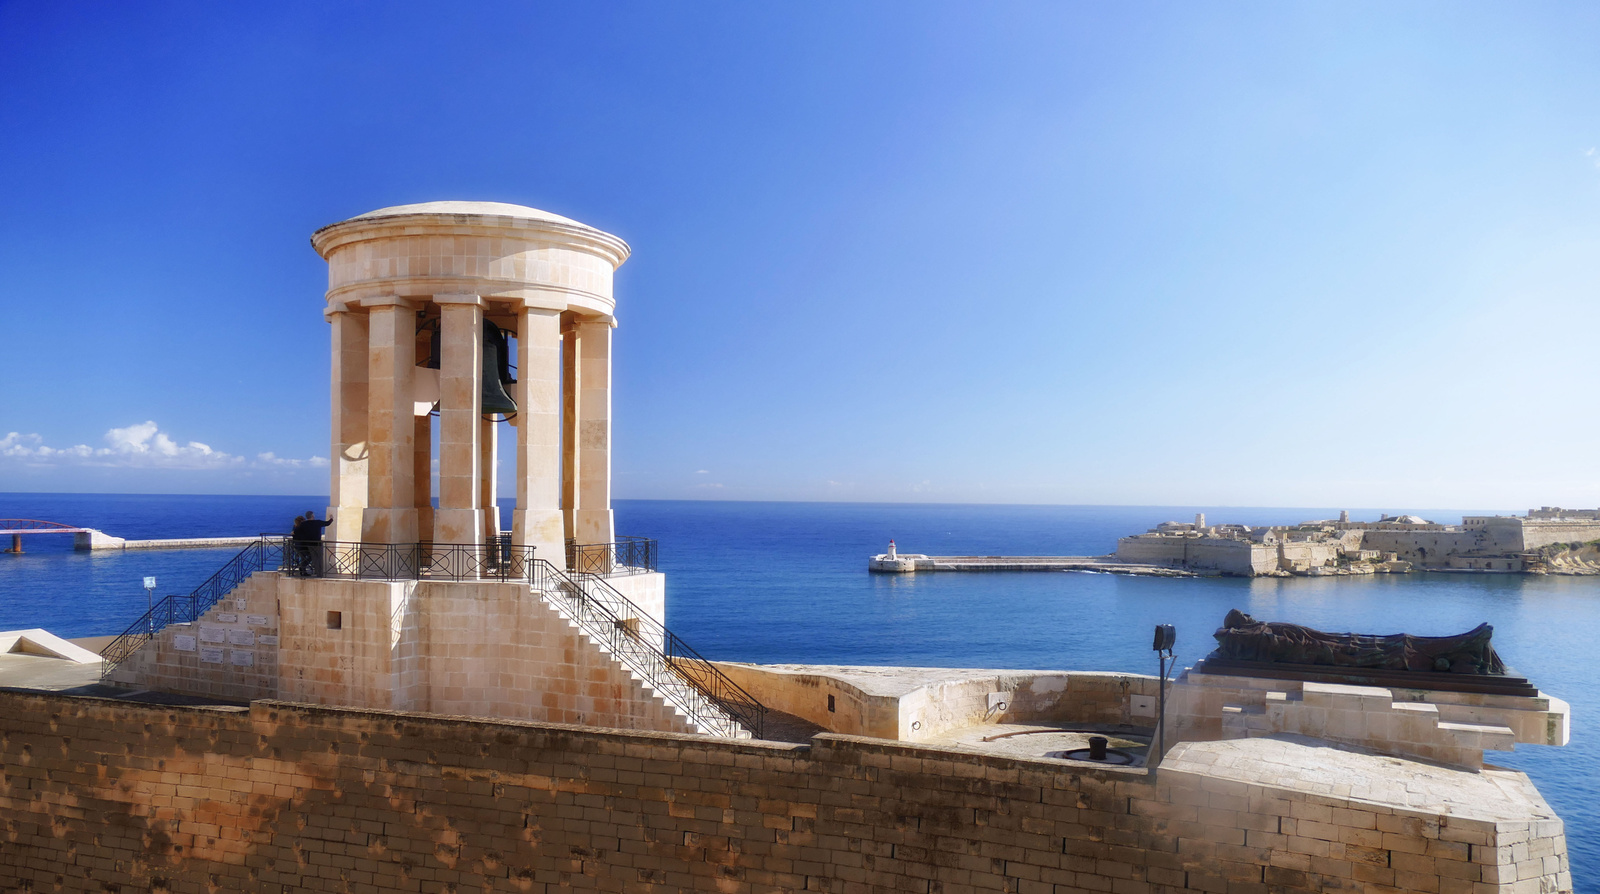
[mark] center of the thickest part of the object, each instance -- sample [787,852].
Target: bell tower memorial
[448,321]
[425,302]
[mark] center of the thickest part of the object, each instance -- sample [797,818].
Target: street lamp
[1166,635]
[150,597]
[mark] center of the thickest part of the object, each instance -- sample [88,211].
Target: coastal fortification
[1548,540]
[426,703]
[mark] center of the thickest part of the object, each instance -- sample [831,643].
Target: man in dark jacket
[307,537]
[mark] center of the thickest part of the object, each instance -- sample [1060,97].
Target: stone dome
[498,209]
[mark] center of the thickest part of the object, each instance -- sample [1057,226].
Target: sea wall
[99,795]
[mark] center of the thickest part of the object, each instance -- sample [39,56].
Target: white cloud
[702,472]
[140,446]
[271,459]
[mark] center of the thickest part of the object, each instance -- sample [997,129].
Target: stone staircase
[609,621]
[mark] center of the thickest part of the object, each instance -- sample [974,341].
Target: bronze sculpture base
[1496,684]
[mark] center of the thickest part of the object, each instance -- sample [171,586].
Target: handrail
[268,549]
[628,555]
[496,559]
[654,651]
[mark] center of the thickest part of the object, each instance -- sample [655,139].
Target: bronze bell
[496,372]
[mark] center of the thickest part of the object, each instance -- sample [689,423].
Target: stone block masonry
[100,795]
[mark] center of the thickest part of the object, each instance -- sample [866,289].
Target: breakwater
[92,539]
[915,562]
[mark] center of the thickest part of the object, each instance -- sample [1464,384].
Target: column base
[458,526]
[543,530]
[595,526]
[348,523]
[388,526]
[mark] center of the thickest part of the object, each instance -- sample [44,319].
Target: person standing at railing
[307,537]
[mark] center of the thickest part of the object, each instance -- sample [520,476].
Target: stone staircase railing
[667,664]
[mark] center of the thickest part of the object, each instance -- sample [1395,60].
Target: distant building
[1392,543]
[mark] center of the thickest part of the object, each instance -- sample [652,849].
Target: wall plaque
[256,620]
[244,659]
[183,642]
[209,654]
[211,635]
[227,618]
[267,639]
[242,638]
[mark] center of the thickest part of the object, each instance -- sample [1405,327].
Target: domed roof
[462,217]
[501,209]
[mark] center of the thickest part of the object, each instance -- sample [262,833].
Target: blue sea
[787,582]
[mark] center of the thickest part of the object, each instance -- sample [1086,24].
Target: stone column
[537,519]
[593,519]
[569,426]
[459,518]
[422,474]
[347,488]
[489,475]
[391,514]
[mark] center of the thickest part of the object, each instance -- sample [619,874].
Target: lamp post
[1165,636]
[150,597]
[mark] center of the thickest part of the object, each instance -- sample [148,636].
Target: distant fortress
[1549,540]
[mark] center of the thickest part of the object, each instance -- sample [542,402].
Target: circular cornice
[470,219]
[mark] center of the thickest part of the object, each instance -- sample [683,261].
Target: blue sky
[1223,254]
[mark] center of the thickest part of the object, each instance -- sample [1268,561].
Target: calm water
[786,582]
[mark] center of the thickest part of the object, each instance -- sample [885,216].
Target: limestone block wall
[647,591]
[478,648]
[231,652]
[1425,547]
[498,650]
[1543,532]
[99,795]
[1449,727]
[804,691]
[919,704]
[1227,556]
[352,642]
[1025,697]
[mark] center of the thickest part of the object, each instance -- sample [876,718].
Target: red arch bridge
[16,527]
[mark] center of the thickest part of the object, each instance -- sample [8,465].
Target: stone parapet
[291,797]
[1448,727]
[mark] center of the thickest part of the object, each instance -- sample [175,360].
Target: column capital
[335,308]
[573,322]
[388,301]
[460,298]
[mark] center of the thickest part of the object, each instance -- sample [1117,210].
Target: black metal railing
[267,552]
[669,664]
[496,559]
[628,555]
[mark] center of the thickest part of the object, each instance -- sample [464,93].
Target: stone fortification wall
[1227,556]
[1425,547]
[99,795]
[1543,532]
[920,704]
